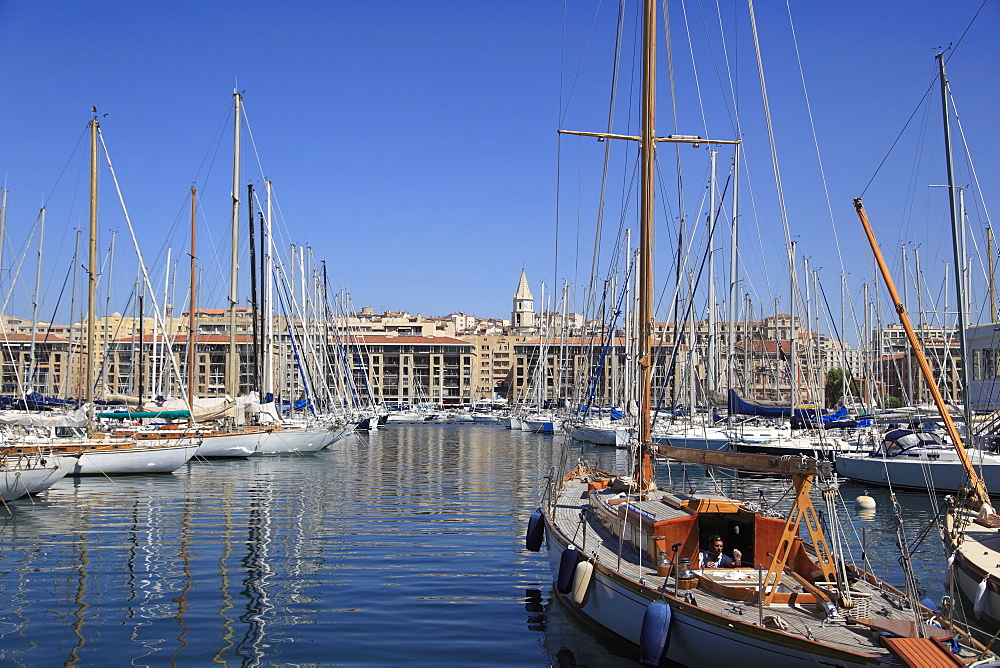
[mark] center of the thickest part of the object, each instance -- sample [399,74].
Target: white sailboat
[29,473]
[94,452]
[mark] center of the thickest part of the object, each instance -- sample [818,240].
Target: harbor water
[404,546]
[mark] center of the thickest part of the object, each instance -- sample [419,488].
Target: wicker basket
[862,608]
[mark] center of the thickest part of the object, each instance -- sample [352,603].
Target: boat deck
[808,621]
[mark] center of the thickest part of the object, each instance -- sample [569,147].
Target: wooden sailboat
[102,453]
[622,551]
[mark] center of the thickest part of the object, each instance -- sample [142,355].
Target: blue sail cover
[33,401]
[743,407]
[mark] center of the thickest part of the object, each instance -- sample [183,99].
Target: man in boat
[714,558]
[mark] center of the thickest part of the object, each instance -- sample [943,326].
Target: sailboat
[624,554]
[80,444]
[22,474]
[921,460]
[96,452]
[970,524]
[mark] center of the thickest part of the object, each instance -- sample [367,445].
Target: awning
[138,415]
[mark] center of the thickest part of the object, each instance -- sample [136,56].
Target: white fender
[581,581]
[948,572]
[979,606]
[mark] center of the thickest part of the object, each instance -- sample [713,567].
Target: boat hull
[616,605]
[146,458]
[16,482]
[540,426]
[946,476]
[230,445]
[614,436]
[295,440]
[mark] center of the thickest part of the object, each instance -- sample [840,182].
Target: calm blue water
[405,546]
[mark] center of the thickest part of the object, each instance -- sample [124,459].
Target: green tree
[835,386]
[892,402]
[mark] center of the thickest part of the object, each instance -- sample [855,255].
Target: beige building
[413,370]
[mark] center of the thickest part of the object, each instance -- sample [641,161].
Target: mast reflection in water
[403,546]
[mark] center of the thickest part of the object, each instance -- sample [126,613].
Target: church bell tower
[523,315]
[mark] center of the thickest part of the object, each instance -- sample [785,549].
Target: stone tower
[523,315]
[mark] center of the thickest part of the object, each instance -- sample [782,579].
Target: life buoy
[655,633]
[979,605]
[567,568]
[536,532]
[582,575]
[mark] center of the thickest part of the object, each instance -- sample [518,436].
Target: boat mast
[643,470]
[32,366]
[989,258]
[254,313]
[92,275]
[191,357]
[733,284]
[233,377]
[975,483]
[957,236]
[268,297]
[711,353]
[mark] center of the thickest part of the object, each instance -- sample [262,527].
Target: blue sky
[413,145]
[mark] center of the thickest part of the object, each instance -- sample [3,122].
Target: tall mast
[74,332]
[957,236]
[268,297]
[733,279]
[644,471]
[233,377]
[142,352]
[253,291]
[192,325]
[3,222]
[34,304]
[712,326]
[989,257]
[92,276]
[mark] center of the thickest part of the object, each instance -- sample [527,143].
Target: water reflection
[402,546]
[414,534]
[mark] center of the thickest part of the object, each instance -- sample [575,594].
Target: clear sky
[413,145]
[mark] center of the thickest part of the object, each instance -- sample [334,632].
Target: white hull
[683,436]
[916,472]
[337,433]
[296,439]
[141,458]
[17,481]
[969,584]
[486,419]
[412,418]
[975,553]
[614,436]
[230,445]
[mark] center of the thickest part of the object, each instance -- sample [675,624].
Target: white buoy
[864,502]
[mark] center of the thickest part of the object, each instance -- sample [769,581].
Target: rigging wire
[952,48]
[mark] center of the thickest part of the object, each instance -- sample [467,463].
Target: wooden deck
[808,621]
